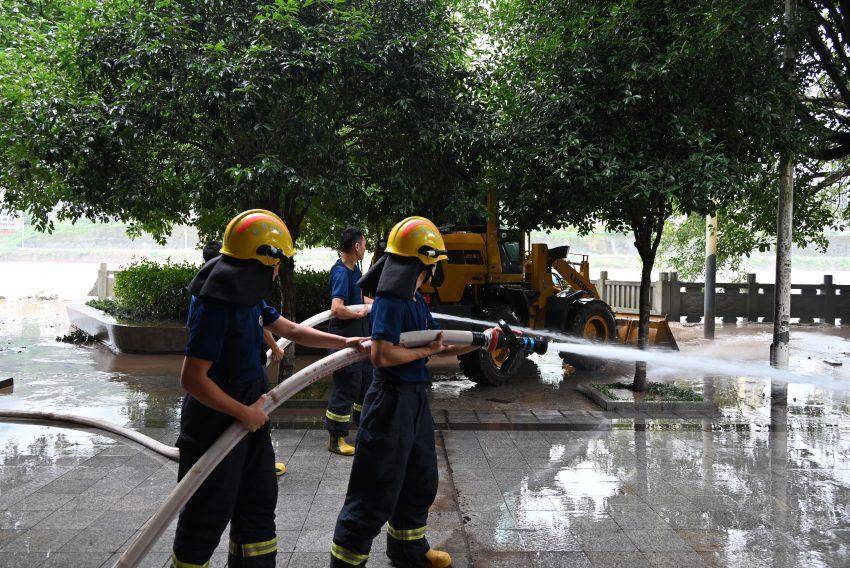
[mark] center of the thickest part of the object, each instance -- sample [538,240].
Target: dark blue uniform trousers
[393,478]
[345,403]
[241,490]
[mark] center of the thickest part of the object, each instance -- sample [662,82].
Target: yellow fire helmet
[417,237]
[257,234]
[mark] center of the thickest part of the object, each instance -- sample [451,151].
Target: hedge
[146,291]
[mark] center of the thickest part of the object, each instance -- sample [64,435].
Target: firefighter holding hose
[394,475]
[349,383]
[225,381]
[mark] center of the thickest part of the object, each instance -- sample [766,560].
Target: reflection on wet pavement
[617,498]
[765,484]
[643,497]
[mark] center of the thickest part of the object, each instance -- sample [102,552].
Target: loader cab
[511,251]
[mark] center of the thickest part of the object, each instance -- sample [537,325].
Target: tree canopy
[158,113]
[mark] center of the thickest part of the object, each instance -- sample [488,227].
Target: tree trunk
[779,349]
[710,276]
[645,307]
[647,238]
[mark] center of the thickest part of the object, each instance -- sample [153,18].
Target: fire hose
[156,525]
[165,450]
[187,486]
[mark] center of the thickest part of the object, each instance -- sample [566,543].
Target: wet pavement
[537,476]
[617,498]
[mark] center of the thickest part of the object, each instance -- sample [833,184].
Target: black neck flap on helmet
[393,275]
[244,282]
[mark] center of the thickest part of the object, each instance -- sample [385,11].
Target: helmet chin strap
[269,250]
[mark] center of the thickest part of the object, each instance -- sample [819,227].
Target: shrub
[312,289]
[146,290]
[154,291]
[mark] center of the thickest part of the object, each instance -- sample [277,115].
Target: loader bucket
[660,334]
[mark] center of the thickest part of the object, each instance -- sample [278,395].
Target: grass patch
[660,392]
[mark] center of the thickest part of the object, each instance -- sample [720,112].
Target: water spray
[684,363]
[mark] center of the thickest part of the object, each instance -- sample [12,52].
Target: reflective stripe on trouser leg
[357,407]
[341,418]
[251,549]
[347,556]
[344,389]
[406,534]
[175,562]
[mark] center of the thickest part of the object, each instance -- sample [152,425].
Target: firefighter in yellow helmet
[394,475]
[224,378]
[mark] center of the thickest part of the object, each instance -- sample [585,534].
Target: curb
[661,407]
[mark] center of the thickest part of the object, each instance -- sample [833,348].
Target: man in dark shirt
[394,475]
[225,380]
[349,383]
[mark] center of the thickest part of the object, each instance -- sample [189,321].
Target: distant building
[10,223]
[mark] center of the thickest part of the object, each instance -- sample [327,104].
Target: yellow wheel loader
[496,274]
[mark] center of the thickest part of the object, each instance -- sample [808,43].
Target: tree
[620,113]
[181,111]
[820,138]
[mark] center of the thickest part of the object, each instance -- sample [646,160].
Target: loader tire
[483,367]
[592,320]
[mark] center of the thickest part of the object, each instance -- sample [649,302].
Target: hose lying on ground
[157,524]
[163,449]
[169,452]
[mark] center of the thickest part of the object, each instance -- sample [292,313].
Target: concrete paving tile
[520,416]
[452,541]
[40,540]
[129,520]
[152,560]
[531,560]
[310,559]
[8,535]
[101,460]
[704,541]
[614,541]
[674,559]
[324,519]
[628,519]
[89,540]
[481,502]
[315,541]
[444,520]
[549,539]
[91,559]
[44,501]
[21,519]
[657,540]
[286,540]
[617,559]
[585,525]
[22,559]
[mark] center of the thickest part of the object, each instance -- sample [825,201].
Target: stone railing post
[674,312]
[102,282]
[660,295]
[828,300]
[600,285]
[752,299]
